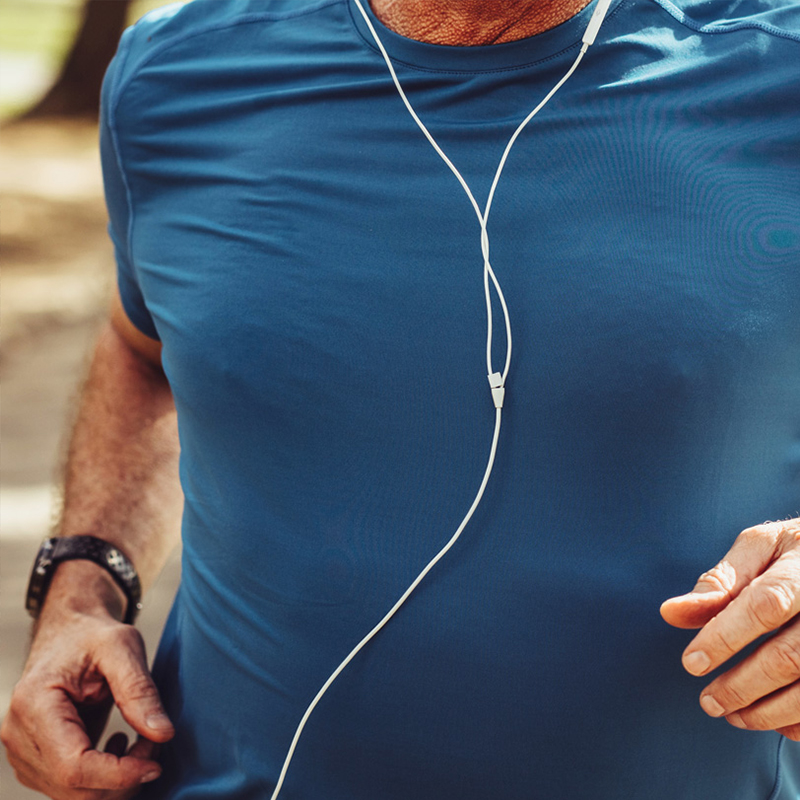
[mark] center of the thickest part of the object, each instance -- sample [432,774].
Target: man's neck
[473,22]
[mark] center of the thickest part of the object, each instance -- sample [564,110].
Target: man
[301,275]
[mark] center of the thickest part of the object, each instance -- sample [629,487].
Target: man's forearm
[121,480]
[121,486]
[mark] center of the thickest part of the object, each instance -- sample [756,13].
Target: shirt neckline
[470,60]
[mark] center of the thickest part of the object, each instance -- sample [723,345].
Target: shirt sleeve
[118,197]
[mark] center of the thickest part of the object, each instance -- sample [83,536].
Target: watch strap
[58,549]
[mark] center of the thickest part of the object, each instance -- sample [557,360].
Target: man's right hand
[82,660]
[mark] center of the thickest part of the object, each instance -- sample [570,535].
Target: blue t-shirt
[314,273]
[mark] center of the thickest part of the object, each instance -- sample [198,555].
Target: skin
[122,485]
[473,22]
[754,590]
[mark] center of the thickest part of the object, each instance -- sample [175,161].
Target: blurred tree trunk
[76,92]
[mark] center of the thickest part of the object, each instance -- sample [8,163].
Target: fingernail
[735,719]
[697,662]
[158,721]
[150,776]
[711,706]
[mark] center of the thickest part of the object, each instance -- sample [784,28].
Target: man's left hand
[753,591]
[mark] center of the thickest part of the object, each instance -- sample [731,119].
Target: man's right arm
[122,486]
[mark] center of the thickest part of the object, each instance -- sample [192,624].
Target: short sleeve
[118,197]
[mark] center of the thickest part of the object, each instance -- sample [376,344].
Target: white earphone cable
[431,564]
[496,380]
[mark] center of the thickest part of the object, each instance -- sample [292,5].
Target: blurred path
[57,271]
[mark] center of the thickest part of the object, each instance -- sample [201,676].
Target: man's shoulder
[196,21]
[777,17]
[190,16]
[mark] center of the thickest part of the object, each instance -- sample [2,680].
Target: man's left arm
[754,590]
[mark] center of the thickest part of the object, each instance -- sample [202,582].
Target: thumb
[125,669]
[751,553]
[712,592]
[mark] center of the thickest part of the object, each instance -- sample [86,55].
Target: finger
[752,552]
[774,665]
[144,748]
[779,710]
[769,602]
[124,666]
[44,728]
[96,770]
[92,771]
[68,760]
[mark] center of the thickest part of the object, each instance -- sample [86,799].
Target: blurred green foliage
[44,27]
[49,26]
[37,35]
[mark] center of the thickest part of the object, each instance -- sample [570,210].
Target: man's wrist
[84,587]
[57,550]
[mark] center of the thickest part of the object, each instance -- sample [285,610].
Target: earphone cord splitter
[497,380]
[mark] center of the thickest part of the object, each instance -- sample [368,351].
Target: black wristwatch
[67,548]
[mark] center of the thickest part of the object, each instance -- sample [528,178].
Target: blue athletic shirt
[314,273]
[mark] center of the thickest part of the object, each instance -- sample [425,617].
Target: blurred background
[57,271]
